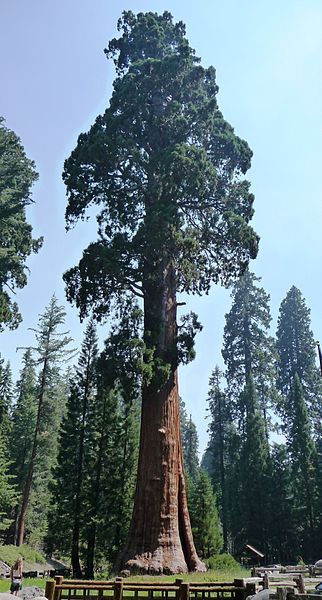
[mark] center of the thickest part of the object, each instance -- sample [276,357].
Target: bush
[9,554]
[222,561]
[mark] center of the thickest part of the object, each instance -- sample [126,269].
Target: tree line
[70,438]
[69,446]
[264,452]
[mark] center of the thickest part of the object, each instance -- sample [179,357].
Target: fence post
[118,590]
[179,583]
[265,582]
[250,589]
[239,594]
[58,581]
[300,583]
[184,591]
[50,590]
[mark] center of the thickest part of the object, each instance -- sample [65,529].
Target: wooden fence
[65,589]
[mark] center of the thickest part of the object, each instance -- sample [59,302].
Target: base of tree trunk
[162,562]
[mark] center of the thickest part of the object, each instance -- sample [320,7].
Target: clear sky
[55,80]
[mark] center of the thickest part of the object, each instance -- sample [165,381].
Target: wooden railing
[120,589]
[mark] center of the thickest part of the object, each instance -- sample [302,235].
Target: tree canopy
[17,175]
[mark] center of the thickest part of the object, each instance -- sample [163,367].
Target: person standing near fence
[16,577]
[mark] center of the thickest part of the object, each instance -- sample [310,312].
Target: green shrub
[222,561]
[9,554]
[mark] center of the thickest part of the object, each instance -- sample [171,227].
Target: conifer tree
[304,477]
[17,175]
[76,442]
[165,169]
[204,516]
[120,369]
[51,349]
[8,492]
[253,485]
[283,538]
[248,347]
[6,398]
[296,354]
[23,427]
[190,443]
[221,448]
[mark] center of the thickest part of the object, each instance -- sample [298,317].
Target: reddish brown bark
[160,538]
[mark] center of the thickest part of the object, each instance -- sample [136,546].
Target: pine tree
[166,170]
[283,536]
[51,350]
[296,354]
[248,347]
[23,427]
[253,485]
[304,477]
[204,517]
[190,443]
[6,398]
[75,442]
[221,448]
[8,492]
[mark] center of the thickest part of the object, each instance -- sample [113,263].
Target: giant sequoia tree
[166,170]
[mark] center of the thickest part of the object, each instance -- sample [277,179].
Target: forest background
[282,193]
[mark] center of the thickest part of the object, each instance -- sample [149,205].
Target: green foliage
[296,355]
[51,350]
[190,443]
[248,347]
[165,169]
[221,454]
[9,554]
[204,517]
[252,484]
[222,561]
[17,174]
[8,492]
[302,452]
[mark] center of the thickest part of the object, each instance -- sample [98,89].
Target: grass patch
[5,583]
[238,572]
[10,553]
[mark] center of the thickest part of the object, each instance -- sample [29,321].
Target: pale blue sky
[55,79]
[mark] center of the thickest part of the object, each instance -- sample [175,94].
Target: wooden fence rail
[68,589]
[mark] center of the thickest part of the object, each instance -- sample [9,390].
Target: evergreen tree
[120,368]
[220,451]
[8,492]
[248,347]
[51,349]
[23,427]
[296,355]
[253,484]
[283,536]
[75,443]
[190,443]
[165,167]
[17,174]
[6,397]
[204,517]
[304,477]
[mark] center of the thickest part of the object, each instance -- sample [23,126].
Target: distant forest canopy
[249,488]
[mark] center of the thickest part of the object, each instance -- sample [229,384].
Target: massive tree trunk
[160,538]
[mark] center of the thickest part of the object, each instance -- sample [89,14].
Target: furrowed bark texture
[160,538]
